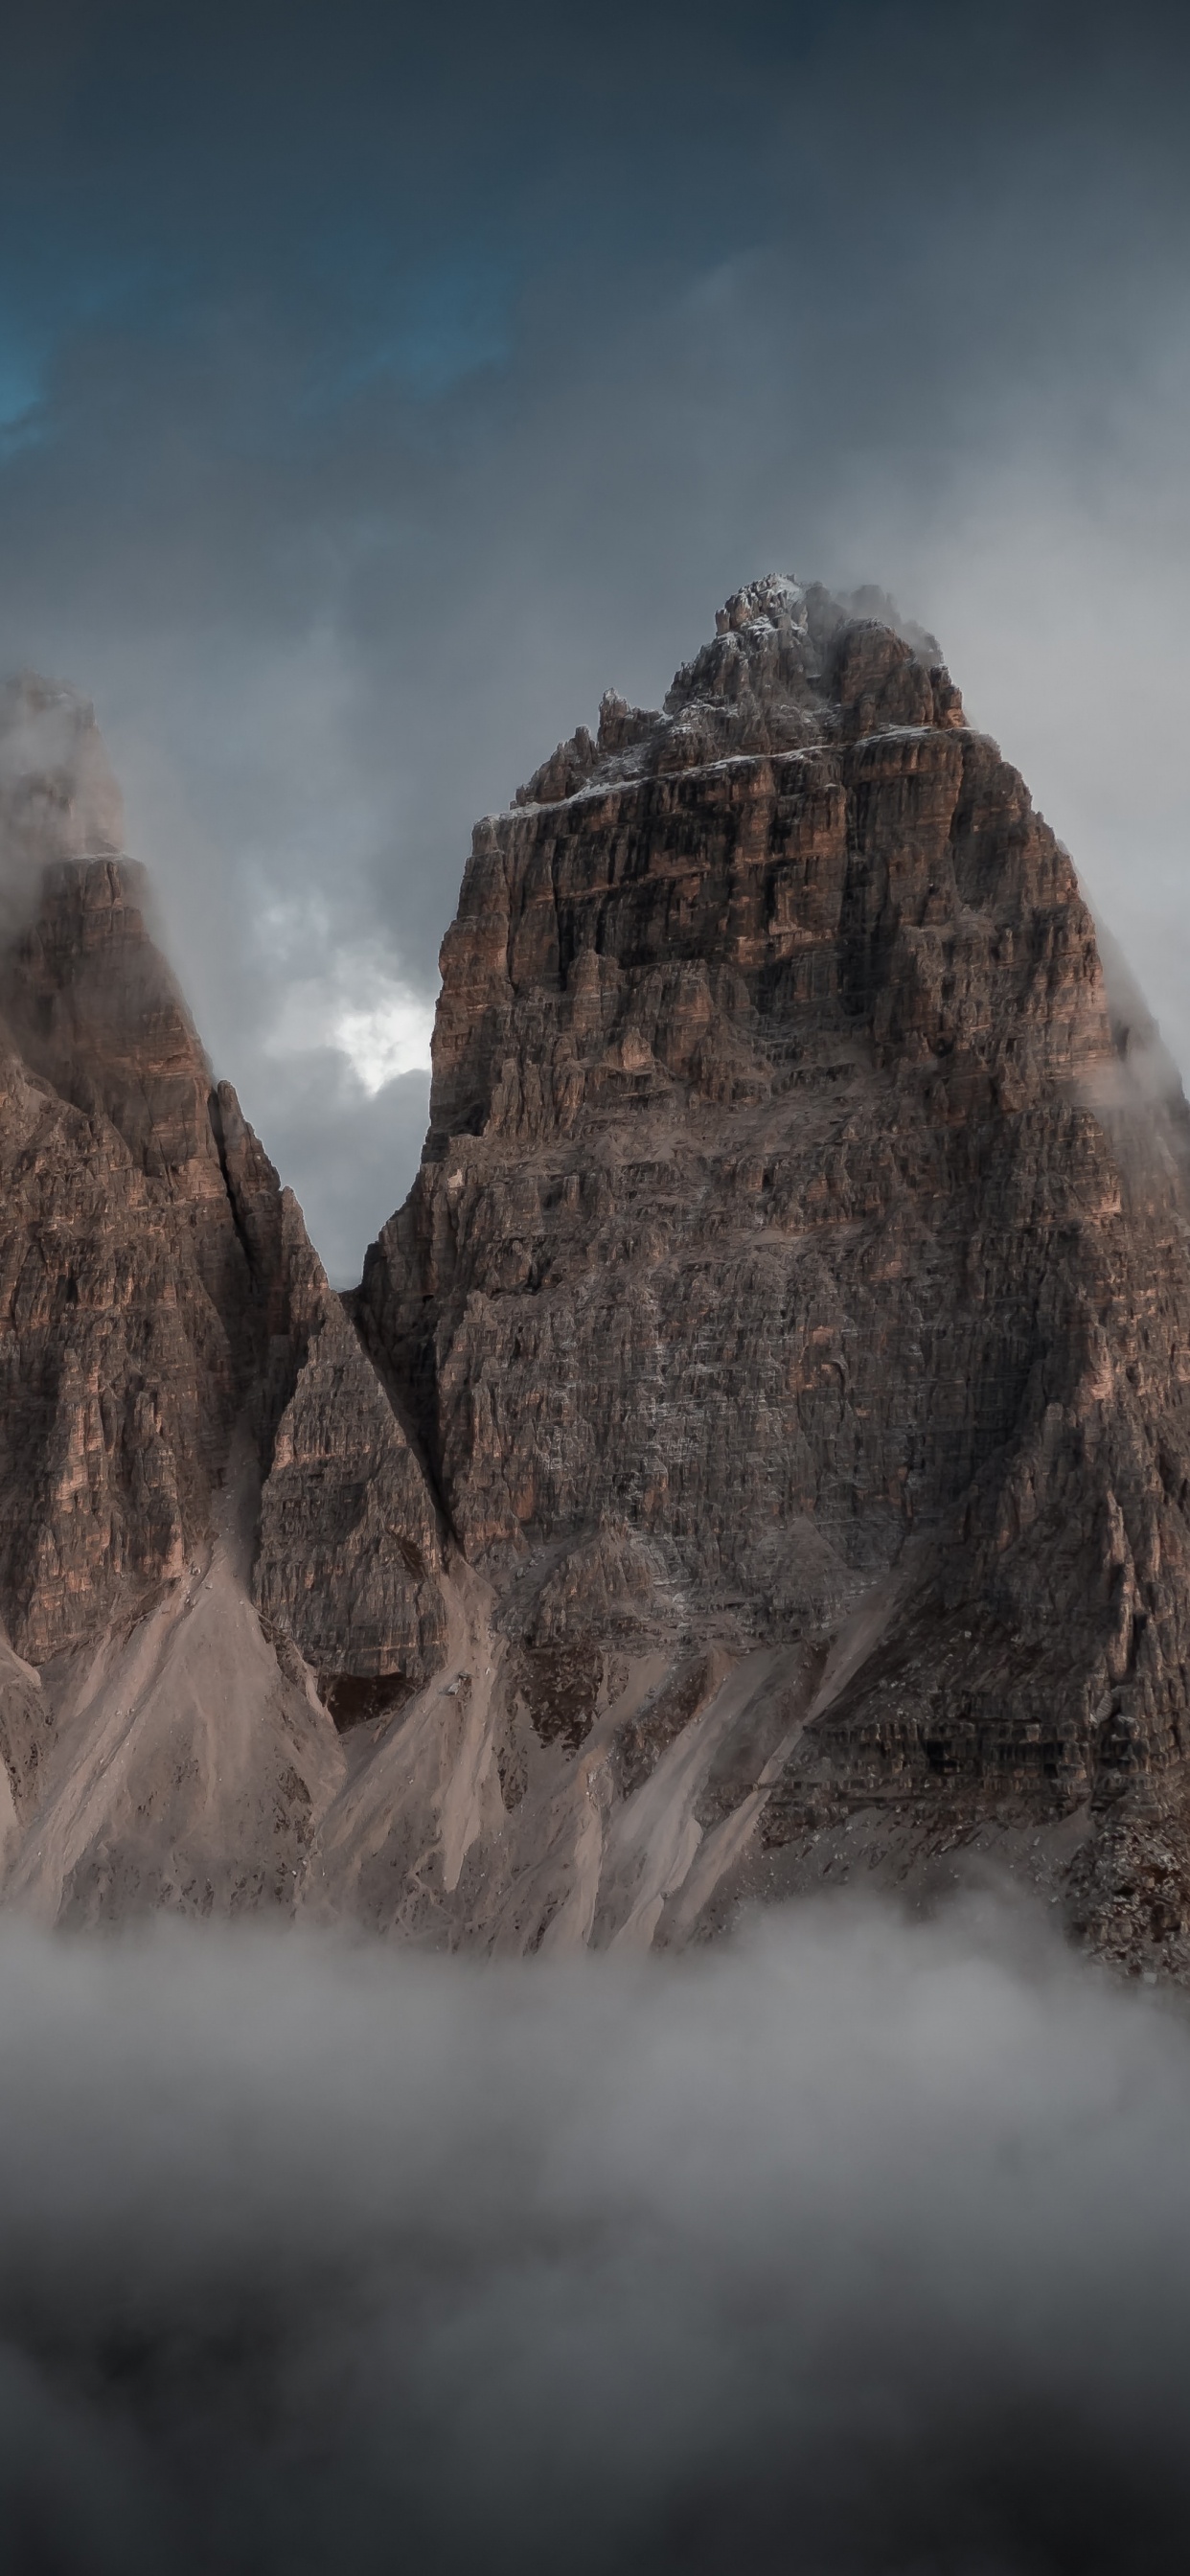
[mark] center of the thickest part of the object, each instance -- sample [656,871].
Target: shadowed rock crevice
[411,1404]
[243,1238]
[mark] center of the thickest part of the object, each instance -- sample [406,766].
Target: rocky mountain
[758,1453]
[168,1342]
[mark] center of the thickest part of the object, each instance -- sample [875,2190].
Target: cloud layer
[850,2246]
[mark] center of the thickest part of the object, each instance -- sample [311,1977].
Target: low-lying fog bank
[852,2246]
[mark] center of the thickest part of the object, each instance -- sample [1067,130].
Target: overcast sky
[378,385]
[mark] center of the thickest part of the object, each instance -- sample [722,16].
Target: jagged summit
[818,616]
[787,667]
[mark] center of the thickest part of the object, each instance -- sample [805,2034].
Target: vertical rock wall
[793,1205]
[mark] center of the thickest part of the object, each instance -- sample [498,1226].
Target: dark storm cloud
[850,2246]
[381,386]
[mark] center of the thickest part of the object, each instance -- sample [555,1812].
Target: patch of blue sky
[426,331]
[39,312]
[455,322]
[20,390]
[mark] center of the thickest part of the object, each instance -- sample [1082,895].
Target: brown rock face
[349,1561]
[126,1294]
[793,1206]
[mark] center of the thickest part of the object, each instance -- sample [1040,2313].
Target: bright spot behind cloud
[389,1037]
[371,1016]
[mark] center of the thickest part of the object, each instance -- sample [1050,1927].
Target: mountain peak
[789,666]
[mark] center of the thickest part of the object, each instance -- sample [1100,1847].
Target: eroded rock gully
[758,1453]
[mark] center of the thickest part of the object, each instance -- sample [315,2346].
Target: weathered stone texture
[349,1559]
[125,1296]
[792,1202]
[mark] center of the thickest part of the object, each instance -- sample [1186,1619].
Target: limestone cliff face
[126,1297]
[795,1220]
[349,1560]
